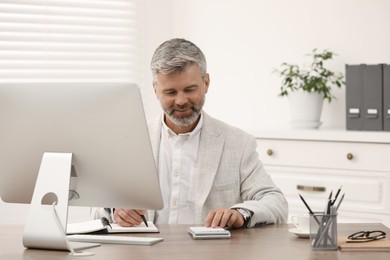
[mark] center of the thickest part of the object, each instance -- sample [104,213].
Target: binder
[354,96]
[386,97]
[365,97]
[372,97]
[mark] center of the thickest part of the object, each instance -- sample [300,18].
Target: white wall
[158,20]
[245,39]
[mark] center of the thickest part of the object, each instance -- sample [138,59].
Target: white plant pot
[305,109]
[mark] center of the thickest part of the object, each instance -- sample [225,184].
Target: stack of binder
[368,97]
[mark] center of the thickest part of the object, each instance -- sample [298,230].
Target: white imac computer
[73,144]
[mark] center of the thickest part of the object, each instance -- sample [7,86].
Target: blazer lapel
[210,150]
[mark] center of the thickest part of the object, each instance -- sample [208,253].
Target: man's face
[182,95]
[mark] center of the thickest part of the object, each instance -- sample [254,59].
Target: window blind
[69,40]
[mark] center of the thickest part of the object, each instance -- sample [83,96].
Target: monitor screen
[103,125]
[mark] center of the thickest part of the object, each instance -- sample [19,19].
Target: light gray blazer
[229,174]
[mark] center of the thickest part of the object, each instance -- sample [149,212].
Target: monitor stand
[46,224]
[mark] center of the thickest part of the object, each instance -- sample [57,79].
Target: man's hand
[224,218]
[128,217]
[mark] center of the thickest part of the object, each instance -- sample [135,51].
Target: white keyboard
[113,239]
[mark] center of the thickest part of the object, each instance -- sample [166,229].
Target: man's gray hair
[175,55]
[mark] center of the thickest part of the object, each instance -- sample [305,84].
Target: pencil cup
[323,231]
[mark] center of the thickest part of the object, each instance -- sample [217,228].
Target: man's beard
[187,120]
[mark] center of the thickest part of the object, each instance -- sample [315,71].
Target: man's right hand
[128,217]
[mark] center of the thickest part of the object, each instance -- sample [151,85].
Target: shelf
[323,134]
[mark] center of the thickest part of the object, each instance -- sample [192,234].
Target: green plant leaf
[317,79]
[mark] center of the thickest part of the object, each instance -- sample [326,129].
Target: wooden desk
[270,242]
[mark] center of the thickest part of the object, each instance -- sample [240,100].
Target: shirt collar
[170,133]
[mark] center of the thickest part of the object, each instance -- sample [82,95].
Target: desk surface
[269,242]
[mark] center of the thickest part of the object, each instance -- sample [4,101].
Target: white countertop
[322,134]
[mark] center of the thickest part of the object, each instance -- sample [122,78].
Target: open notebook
[103,226]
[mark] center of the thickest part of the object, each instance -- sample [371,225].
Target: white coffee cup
[302,222]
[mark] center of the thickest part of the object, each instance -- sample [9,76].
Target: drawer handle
[310,188]
[349,156]
[270,152]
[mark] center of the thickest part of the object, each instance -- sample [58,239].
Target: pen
[310,211]
[143,218]
[304,202]
[328,206]
[330,195]
[106,222]
[337,194]
[338,205]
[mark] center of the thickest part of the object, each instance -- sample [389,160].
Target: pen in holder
[323,230]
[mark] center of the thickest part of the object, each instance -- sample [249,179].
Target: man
[209,171]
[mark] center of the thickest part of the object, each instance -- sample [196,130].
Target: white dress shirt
[177,157]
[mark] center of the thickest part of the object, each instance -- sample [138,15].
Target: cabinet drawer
[324,154]
[364,191]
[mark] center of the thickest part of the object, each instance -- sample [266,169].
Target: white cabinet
[315,162]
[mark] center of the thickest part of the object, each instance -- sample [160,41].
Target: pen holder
[323,231]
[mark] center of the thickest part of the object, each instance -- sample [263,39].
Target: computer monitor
[95,133]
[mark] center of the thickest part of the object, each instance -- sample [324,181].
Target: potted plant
[306,88]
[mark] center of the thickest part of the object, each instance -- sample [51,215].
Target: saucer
[299,233]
